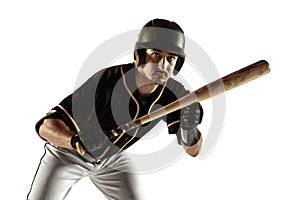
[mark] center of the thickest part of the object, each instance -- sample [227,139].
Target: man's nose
[163,62]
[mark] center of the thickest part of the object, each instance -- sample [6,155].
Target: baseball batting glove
[191,116]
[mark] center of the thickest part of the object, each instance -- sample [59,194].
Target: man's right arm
[58,133]
[58,127]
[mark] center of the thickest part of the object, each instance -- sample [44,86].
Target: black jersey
[110,99]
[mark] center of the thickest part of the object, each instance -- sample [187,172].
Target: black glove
[191,116]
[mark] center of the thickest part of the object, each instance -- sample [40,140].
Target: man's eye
[155,55]
[172,58]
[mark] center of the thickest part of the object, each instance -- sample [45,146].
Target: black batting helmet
[160,34]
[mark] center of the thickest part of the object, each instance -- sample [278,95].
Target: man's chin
[160,81]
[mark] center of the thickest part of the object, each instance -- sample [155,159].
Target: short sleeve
[58,112]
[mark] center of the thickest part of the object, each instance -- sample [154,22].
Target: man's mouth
[160,73]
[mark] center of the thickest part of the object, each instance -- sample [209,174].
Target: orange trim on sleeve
[175,122]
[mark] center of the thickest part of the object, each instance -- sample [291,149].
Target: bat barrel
[233,80]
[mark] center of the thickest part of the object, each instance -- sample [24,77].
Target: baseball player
[78,131]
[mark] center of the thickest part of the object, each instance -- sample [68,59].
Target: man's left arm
[191,137]
[194,149]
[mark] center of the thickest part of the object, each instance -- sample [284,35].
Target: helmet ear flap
[139,57]
[178,65]
[136,59]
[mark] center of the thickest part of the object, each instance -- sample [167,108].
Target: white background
[44,43]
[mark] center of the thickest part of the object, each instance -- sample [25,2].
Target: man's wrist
[190,137]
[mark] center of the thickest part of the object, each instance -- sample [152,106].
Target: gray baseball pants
[60,169]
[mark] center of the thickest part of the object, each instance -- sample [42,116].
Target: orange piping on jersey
[134,99]
[175,122]
[128,90]
[105,151]
[118,138]
[135,133]
[162,90]
[71,118]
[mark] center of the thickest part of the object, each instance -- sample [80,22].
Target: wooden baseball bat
[214,88]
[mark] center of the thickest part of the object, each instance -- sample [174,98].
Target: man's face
[159,65]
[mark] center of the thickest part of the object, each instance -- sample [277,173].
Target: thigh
[55,175]
[116,179]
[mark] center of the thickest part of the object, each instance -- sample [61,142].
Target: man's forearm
[56,132]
